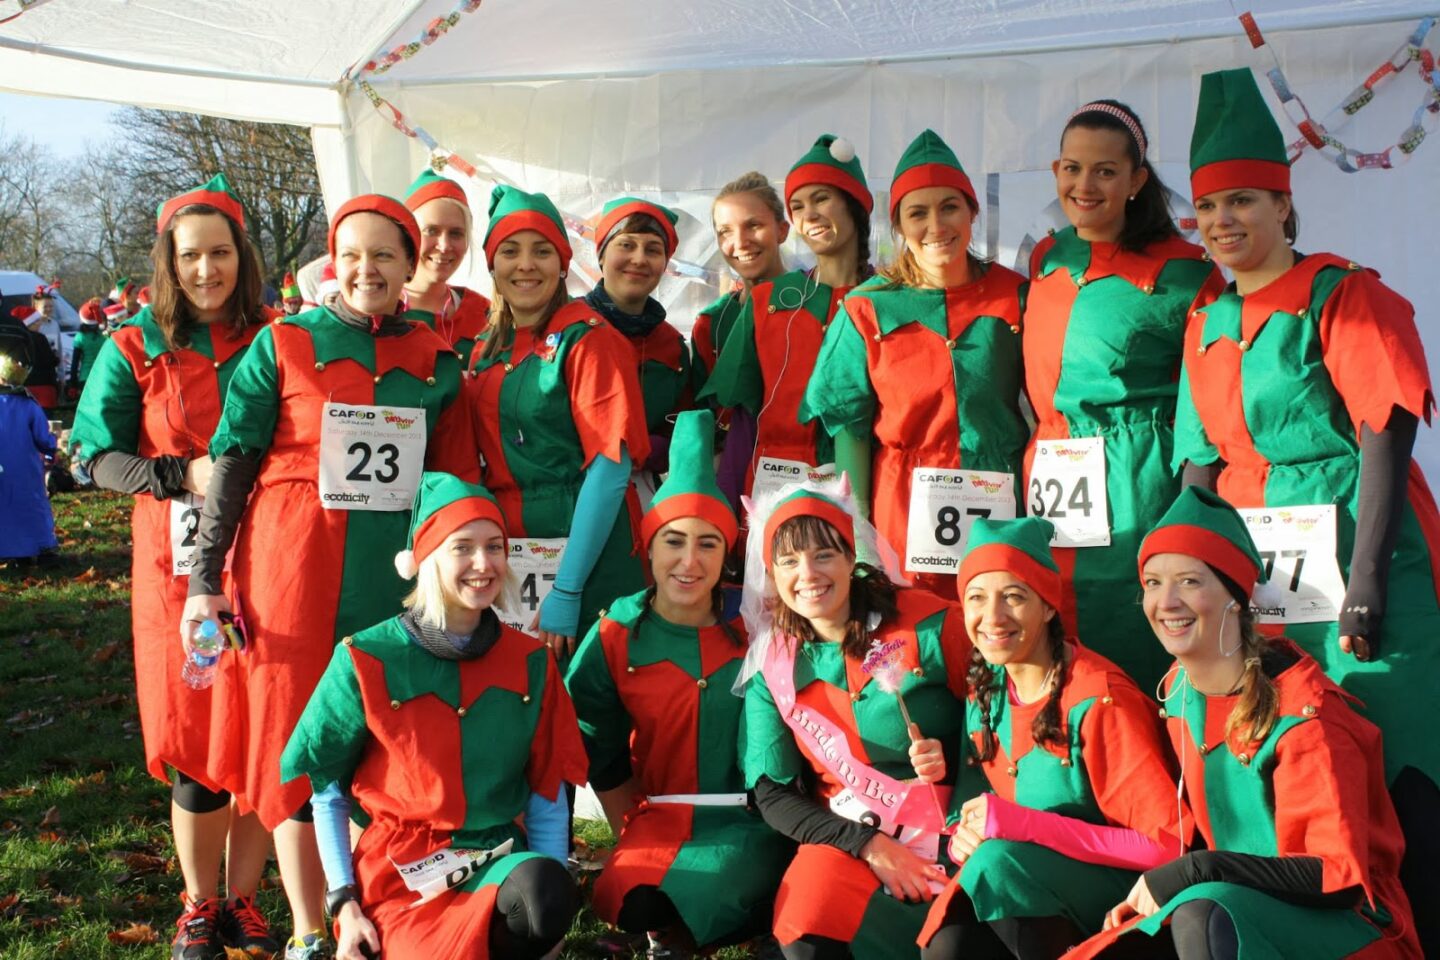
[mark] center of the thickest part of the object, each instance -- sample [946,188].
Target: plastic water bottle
[205,646]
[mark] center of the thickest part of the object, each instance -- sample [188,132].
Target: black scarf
[448,646]
[633,325]
[377,325]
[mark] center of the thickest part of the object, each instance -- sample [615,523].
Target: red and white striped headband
[1110,109]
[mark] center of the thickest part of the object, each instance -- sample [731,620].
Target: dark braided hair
[864,270]
[985,682]
[1147,218]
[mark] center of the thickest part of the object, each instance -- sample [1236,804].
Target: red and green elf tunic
[144,398]
[712,326]
[465,317]
[663,363]
[767,360]
[658,695]
[1315,787]
[962,344]
[1115,770]
[439,753]
[304,576]
[1104,331]
[1277,385]
[543,411]
[825,891]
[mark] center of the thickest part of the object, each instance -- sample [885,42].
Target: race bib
[370,457]
[535,562]
[184,526]
[772,473]
[446,869]
[1067,487]
[943,505]
[1302,577]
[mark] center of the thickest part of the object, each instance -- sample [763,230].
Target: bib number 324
[1067,487]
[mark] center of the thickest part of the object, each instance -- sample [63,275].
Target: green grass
[85,853]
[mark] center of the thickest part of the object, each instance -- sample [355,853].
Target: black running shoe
[243,927]
[197,932]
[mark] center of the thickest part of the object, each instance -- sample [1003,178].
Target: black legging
[645,909]
[193,797]
[816,948]
[1198,930]
[963,936]
[536,904]
[1417,806]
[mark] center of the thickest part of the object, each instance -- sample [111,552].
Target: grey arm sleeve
[231,481]
[162,477]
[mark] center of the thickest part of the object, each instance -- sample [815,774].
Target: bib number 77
[1067,487]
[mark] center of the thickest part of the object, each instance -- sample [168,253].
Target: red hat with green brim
[690,489]
[1236,142]
[831,161]
[443,504]
[616,211]
[929,162]
[431,186]
[387,207]
[512,210]
[808,503]
[1020,547]
[289,289]
[214,193]
[1201,524]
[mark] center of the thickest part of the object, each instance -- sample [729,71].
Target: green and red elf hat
[831,161]
[216,192]
[122,286]
[513,210]
[289,289]
[617,210]
[431,186]
[1202,525]
[1236,142]
[387,207]
[808,503]
[1021,547]
[929,162]
[443,504]
[690,490]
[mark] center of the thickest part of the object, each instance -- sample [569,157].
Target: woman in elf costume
[1285,779]
[749,221]
[941,317]
[1304,384]
[465,850]
[846,672]
[458,314]
[143,427]
[1104,327]
[651,684]
[1083,791]
[328,420]
[634,241]
[88,341]
[558,419]
[770,353]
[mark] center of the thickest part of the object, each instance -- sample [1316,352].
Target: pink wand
[883,664]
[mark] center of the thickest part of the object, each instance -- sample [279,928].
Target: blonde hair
[905,271]
[755,183]
[426,602]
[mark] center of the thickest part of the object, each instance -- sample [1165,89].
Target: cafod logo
[396,420]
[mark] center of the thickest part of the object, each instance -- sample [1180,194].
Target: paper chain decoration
[1319,135]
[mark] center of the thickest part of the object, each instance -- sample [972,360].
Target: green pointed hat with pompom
[690,489]
[929,162]
[443,504]
[1020,546]
[513,210]
[1203,525]
[1236,142]
[831,161]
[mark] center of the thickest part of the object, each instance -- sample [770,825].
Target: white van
[18,286]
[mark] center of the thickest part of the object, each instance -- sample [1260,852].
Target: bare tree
[110,224]
[31,205]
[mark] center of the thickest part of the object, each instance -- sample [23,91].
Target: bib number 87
[1060,505]
[948,529]
[388,470]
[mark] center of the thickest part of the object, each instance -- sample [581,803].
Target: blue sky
[62,125]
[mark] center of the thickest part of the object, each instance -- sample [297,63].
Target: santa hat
[23,312]
[289,289]
[616,212]
[388,207]
[513,210]
[831,161]
[116,313]
[92,312]
[431,186]
[1201,524]
[1236,142]
[929,162]
[808,503]
[1020,547]
[328,284]
[443,504]
[143,297]
[690,489]
[215,192]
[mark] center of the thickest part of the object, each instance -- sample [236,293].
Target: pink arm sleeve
[1076,839]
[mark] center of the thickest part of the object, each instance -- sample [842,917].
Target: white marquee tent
[586,99]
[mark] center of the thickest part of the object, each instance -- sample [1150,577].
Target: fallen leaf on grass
[135,934]
[45,679]
[51,818]
[16,792]
[87,576]
[10,905]
[51,836]
[141,863]
[30,720]
[107,652]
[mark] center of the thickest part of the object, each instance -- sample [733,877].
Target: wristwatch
[337,898]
